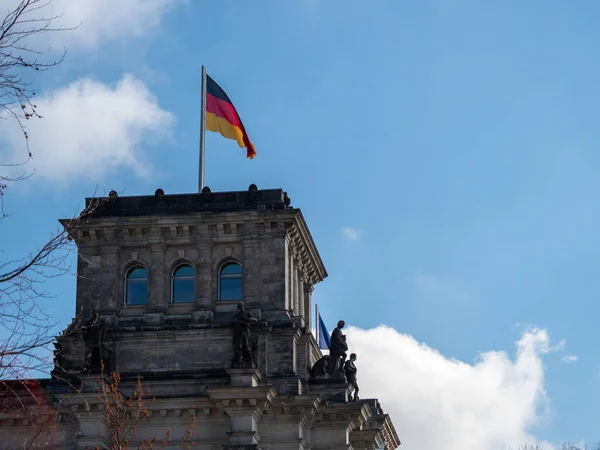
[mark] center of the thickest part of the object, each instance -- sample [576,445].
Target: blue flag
[322,335]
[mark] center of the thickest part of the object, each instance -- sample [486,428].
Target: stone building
[160,282]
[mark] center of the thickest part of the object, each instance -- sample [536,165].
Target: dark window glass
[136,286]
[230,282]
[184,271]
[137,273]
[183,284]
[231,269]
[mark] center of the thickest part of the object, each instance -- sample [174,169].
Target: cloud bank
[99,21]
[90,129]
[436,402]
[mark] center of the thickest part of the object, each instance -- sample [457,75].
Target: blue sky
[443,153]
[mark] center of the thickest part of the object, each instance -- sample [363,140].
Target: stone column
[308,289]
[300,293]
[204,283]
[158,287]
[295,289]
[251,273]
[290,279]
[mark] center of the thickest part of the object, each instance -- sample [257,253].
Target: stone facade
[183,351]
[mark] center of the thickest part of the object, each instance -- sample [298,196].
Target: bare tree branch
[26,331]
[123,414]
[20,61]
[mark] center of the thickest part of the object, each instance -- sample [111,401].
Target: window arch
[230,282]
[182,284]
[136,286]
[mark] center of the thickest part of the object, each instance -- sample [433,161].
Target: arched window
[230,282]
[182,287]
[136,286]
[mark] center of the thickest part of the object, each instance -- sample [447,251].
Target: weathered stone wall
[274,279]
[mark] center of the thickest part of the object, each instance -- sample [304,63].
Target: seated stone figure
[320,367]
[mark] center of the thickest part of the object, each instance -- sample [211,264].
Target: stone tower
[161,280]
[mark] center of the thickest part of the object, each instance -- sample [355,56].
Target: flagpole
[202,130]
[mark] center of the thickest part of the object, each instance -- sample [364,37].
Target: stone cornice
[305,248]
[231,398]
[352,413]
[190,229]
[388,431]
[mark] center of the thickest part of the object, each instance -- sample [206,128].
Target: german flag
[222,117]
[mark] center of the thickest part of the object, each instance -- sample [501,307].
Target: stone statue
[96,351]
[242,354]
[350,370]
[337,349]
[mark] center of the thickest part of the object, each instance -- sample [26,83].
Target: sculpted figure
[92,332]
[320,366]
[350,369]
[241,335]
[337,348]
[96,350]
[59,360]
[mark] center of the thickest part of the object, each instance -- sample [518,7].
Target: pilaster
[158,288]
[109,257]
[308,290]
[300,294]
[252,276]
[244,402]
[203,311]
[295,288]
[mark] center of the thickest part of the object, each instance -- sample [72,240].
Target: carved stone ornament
[206,194]
[252,194]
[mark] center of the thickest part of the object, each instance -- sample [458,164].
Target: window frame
[185,277]
[233,276]
[127,280]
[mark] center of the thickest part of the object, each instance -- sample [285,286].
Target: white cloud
[570,359]
[98,21]
[90,129]
[436,402]
[353,234]
[561,345]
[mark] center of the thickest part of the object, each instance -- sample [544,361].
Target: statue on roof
[242,352]
[337,349]
[350,370]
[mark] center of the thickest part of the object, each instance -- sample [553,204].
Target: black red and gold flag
[222,117]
